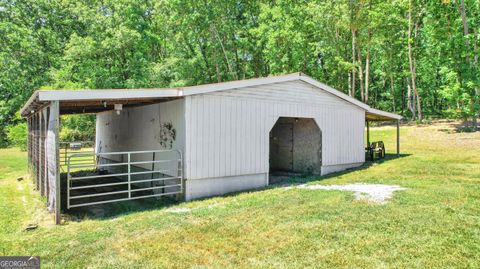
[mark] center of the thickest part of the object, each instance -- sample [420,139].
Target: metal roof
[92,101]
[373,114]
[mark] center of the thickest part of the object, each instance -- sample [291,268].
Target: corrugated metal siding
[228,131]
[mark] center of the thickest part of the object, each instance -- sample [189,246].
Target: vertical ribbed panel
[227,132]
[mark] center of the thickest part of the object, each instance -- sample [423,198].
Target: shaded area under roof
[96,106]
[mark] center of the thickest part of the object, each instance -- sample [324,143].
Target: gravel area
[377,193]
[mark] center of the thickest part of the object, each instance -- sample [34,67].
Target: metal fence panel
[122,176]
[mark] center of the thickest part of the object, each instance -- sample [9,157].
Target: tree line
[418,58]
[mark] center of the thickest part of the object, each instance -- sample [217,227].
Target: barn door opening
[295,148]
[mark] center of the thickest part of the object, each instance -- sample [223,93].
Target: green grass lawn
[433,224]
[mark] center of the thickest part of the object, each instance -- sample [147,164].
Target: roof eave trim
[69,95]
[384,114]
[24,111]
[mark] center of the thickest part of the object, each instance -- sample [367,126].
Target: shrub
[77,128]
[17,135]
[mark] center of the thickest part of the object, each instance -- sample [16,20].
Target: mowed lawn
[433,224]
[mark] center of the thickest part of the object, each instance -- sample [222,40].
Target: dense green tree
[414,57]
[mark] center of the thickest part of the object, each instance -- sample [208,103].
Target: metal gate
[67,149]
[122,176]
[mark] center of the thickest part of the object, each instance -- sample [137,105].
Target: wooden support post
[29,140]
[55,110]
[398,138]
[44,149]
[37,151]
[368,133]
[47,180]
[34,150]
[30,146]
[65,155]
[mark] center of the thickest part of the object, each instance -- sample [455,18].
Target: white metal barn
[196,141]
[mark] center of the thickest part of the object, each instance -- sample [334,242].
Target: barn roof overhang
[373,114]
[94,101]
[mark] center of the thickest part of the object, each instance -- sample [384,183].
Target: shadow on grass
[460,127]
[305,179]
[116,209]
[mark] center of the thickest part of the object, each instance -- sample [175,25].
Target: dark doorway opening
[295,148]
